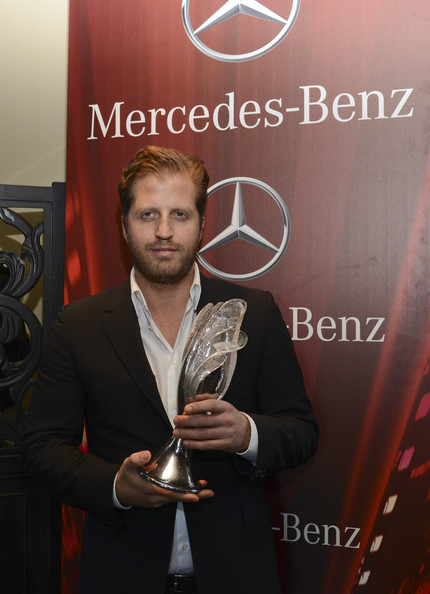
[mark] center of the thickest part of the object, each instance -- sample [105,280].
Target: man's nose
[164,229]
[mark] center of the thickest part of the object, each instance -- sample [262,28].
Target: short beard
[160,273]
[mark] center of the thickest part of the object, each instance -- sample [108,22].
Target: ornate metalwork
[31,276]
[21,334]
[19,285]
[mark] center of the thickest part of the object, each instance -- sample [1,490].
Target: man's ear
[202,224]
[124,228]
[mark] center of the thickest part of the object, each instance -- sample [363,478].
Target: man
[114,361]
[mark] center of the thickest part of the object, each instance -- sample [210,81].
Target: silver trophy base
[172,469]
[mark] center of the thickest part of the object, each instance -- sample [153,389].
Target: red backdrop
[334,119]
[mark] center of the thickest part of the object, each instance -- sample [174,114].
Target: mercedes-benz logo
[239,229]
[230,9]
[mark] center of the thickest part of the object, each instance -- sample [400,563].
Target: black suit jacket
[96,370]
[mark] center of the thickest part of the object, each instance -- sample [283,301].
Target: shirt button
[185,547]
[174,361]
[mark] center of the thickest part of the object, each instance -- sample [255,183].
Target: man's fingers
[162,496]
[139,459]
[205,407]
[134,490]
[206,396]
[203,403]
[148,467]
[194,497]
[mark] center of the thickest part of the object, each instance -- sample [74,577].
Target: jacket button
[165,521]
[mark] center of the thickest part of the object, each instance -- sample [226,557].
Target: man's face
[163,228]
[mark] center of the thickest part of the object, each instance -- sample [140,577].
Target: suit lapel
[208,294]
[119,321]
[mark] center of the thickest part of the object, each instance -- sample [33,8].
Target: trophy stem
[172,470]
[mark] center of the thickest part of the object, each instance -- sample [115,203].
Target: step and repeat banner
[313,119]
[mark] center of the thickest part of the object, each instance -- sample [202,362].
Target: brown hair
[159,161]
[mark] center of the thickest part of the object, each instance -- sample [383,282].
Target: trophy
[208,364]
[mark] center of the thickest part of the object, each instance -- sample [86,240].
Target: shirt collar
[138,297]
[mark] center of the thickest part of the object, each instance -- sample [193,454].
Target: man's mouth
[164,250]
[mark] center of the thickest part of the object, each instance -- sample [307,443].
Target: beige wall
[33,91]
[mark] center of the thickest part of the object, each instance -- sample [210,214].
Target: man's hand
[210,424]
[132,489]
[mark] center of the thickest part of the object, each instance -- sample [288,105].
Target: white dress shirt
[166,363]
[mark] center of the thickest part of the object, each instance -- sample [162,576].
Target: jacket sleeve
[54,431]
[271,376]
